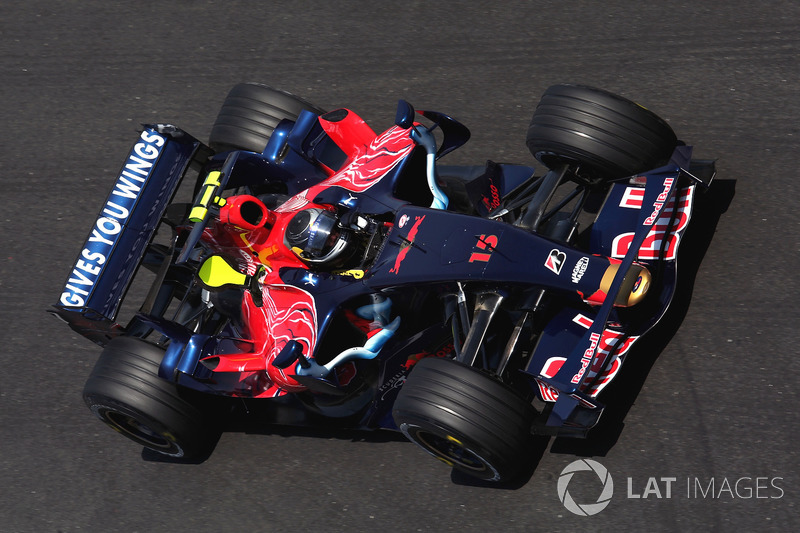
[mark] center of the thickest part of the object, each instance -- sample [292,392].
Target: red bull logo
[408,241]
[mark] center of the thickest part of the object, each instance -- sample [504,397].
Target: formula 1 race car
[302,260]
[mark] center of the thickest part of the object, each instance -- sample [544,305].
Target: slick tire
[125,392]
[466,419]
[250,114]
[607,134]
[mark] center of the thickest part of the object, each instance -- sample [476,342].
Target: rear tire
[466,419]
[250,114]
[125,392]
[611,136]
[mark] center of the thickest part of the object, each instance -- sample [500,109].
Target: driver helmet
[316,237]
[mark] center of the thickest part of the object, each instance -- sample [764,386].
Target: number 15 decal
[485,242]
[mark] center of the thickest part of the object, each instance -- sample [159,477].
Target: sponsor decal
[394,382]
[412,360]
[609,344]
[659,203]
[632,198]
[654,242]
[113,218]
[550,369]
[612,344]
[408,241]
[650,249]
[493,202]
[586,359]
[580,269]
[555,260]
[355,273]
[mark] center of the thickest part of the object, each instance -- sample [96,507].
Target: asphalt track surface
[711,397]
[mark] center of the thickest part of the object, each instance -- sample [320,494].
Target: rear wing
[124,228]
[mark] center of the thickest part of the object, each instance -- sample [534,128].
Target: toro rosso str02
[305,262]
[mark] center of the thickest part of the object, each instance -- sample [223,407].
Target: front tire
[611,136]
[466,419]
[250,114]
[126,393]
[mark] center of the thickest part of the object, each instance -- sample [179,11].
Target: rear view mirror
[405,115]
[217,272]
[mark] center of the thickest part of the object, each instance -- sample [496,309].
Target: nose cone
[634,286]
[640,279]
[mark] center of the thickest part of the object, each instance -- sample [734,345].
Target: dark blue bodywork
[422,273]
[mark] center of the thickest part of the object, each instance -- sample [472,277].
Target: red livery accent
[363,171]
[445,351]
[659,203]
[484,242]
[494,203]
[287,313]
[409,240]
[653,243]
[594,338]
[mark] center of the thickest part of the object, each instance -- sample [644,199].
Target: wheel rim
[140,432]
[452,451]
[133,428]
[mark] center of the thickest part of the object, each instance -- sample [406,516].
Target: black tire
[250,114]
[465,418]
[609,134]
[125,392]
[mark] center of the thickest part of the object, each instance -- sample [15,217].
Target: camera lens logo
[586,509]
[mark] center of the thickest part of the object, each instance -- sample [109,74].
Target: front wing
[579,354]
